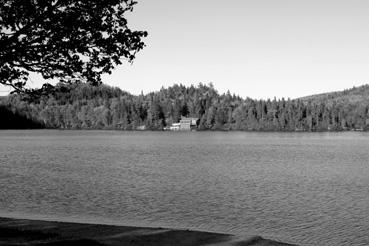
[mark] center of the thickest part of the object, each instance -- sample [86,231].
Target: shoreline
[184,131]
[41,232]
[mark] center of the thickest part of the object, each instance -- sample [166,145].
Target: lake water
[303,188]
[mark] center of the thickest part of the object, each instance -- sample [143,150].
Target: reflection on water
[310,189]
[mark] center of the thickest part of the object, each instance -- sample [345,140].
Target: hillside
[354,95]
[83,106]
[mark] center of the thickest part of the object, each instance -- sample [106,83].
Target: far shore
[187,131]
[37,232]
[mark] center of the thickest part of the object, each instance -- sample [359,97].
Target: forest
[83,106]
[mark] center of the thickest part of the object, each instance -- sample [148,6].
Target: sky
[259,49]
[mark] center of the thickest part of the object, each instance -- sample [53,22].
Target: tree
[67,40]
[85,106]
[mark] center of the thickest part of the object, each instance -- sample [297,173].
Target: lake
[303,188]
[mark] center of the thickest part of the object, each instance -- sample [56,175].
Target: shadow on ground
[44,233]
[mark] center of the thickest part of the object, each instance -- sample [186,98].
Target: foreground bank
[36,232]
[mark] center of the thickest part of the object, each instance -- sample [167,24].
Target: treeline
[14,120]
[83,106]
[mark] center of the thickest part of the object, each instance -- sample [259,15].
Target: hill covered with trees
[82,106]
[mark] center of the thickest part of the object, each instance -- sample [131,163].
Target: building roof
[191,121]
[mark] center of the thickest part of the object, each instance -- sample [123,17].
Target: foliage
[13,120]
[68,40]
[83,106]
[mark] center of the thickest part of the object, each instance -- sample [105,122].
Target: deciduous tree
[67,40]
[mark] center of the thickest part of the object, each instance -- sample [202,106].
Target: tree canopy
[67,40]
[102,107]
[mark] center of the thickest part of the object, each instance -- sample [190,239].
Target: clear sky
[259,48]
